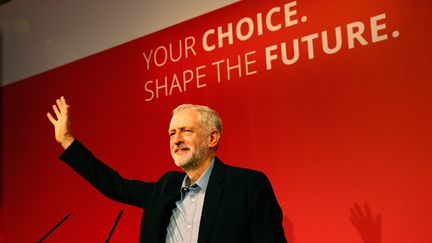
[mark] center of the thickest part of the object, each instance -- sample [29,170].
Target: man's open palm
[61,125]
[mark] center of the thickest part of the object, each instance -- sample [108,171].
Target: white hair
[209,118]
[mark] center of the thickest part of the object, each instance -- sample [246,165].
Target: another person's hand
[61,125]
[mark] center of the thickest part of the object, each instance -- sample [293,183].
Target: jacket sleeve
[106,180]
[266,214]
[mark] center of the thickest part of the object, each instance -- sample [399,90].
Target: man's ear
[214,139]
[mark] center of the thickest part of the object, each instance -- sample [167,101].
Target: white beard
[191,160]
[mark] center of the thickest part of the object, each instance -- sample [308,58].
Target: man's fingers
[51,118]
[62,105]
[60,109]
[63,100]
[59,105]
[56,111]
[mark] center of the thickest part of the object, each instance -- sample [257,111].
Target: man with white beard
[210,202]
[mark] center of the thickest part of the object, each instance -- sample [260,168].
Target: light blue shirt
[186,216]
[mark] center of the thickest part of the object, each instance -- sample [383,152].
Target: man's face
[188,140]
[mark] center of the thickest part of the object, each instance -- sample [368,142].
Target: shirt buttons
[188,226]
[193,199]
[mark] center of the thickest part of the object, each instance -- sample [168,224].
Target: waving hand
[62,127]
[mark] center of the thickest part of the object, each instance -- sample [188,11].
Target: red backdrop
[330,129]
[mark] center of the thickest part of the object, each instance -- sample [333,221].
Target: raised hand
[366,223]
[62,127]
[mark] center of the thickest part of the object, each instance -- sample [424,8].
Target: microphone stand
[114,226]
[53,228]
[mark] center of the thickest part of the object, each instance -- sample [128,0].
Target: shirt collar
[202,182]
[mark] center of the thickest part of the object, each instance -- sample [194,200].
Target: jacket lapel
[166,205]
[212,199]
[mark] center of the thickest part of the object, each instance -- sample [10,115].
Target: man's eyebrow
[175,129]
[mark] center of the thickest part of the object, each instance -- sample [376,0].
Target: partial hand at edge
[62,125]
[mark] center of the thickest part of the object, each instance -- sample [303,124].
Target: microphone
[53,228]
[114,226]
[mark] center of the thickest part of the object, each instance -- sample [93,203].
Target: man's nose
[178,138]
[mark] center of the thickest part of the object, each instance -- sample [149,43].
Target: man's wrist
[67,141]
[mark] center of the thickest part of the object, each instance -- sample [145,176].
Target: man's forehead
[184,118]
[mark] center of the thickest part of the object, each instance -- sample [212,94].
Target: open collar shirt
[186,216]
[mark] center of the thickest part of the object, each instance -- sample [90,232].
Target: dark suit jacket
[239,205]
